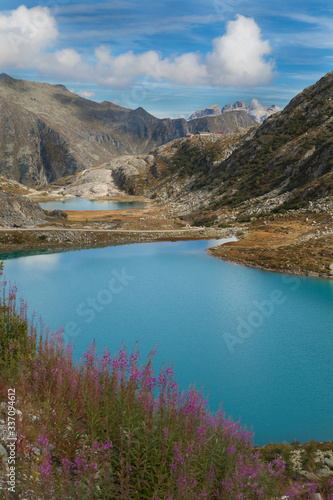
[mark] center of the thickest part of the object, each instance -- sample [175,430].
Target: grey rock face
[18,211]
[258,112]
[210,111]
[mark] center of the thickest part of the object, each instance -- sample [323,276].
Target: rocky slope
[210,111]
[284,164]
[47,132]
[18,211]
[14,187]
[165,174]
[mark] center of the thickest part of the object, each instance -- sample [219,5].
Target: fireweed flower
[43,440]
[45,468]
[67,465]
[165,433]
[128,470]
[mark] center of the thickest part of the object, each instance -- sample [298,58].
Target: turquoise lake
[82,204]
[261,343]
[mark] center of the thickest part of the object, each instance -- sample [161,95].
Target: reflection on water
[40,262]
[82,204]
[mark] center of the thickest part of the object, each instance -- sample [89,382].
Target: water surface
[261,343]
[82,204]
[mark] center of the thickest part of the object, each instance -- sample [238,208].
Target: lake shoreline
[72,239]
[68,239]
[295,244]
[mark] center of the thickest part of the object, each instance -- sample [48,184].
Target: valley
[166,263]
[271,186]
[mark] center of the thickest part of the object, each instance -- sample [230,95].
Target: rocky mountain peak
[321,93]
[4,78]
[213,110]
[258,112]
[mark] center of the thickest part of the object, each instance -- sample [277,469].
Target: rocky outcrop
[18,211]
[210,111]
[94,183]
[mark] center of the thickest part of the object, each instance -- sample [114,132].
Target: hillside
[290,155]
[168,173]
[286,163]
[47,132]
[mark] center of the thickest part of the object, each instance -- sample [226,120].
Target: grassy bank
[109,428]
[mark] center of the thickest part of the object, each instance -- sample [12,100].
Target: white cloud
[86,94]
[68,57]
[319,37]
[238,58]
[24,35]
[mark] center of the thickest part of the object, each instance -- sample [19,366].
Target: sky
[170,57]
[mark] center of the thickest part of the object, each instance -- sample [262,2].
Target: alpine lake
[259,343]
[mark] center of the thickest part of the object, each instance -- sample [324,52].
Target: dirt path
[87,230]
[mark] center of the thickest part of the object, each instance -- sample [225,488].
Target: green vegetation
[206,221]
[192,159]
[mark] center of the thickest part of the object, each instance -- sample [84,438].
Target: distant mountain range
[258,112]
[48,132]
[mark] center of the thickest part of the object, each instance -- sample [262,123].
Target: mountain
[286,163]
[290,154]
[258,112]
[47,132]
[166,172]
[210,111]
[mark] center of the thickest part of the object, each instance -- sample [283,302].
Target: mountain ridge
[284,164]
[258,112]
[47,132]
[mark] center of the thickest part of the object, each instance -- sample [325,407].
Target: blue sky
[170,57]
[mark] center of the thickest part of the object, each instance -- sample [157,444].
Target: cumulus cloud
[238,58]
[87,94]
[25,34]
